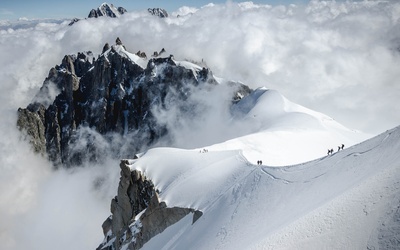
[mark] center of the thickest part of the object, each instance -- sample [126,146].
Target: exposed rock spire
[118,41]
[105,48]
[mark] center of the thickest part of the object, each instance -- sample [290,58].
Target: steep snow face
[346,200]
[280,132]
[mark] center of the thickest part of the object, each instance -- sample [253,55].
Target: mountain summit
[108,10]
[105,9]
[158,12]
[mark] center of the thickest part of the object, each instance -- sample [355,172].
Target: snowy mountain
[108,10]
[348,200]
[209,196]
[123,103]
[158,12]
[212,189]
[104,10]
[199,185]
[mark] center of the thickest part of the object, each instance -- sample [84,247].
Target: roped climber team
[330,151]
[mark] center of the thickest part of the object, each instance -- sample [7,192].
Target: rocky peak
[108,10]
[105,9]
[105,48]
[84,100]
[158,12]
[118,41]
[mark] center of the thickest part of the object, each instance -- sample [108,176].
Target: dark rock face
[121,10]
[158,12]
[31,120]
[85,102]
[74,20]
[137,194]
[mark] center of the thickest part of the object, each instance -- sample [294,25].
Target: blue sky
[14,9]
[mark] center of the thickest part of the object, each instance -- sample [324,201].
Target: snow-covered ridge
[280,132]
[227,176]
[269,204]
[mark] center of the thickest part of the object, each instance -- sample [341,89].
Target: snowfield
[348,200]
[280,132]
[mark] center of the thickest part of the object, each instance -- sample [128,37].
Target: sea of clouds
[339,58]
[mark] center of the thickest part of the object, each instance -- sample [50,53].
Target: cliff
[137,215]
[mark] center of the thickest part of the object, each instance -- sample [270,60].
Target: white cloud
[340,58]
[184,11]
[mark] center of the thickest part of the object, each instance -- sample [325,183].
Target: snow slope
[349,200]
[280,132]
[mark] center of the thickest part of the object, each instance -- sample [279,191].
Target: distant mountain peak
[158,12]
[105,9]
[108,10]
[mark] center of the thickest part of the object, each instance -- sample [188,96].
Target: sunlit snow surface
[283,133]
[348,200]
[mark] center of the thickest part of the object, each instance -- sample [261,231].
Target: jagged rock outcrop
[31,120]
[74,20]
[158,12]
[136,194]
[85,101]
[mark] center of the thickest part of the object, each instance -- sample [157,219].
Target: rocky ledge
[137,215]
